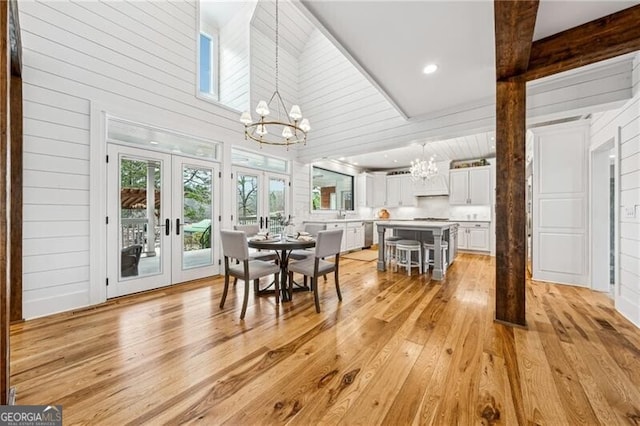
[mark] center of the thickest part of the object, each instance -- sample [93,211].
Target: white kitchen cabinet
[379,190]
[354,235]
[470,186]
[400,191]
[473,236]
[364,190]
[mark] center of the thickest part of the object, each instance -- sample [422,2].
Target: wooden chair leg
[325,278]
[337,285]
[246,297]
[290,290]
[256,286]
[314,282]
[305,281]
[235,281]
[277,288]
[224,292]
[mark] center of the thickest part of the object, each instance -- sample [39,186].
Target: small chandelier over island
[275,126]
[423,170]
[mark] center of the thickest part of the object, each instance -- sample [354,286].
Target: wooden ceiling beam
[514,25]
[595,41]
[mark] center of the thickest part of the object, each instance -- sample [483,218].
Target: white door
[261,198]
[194,217]
[149,202]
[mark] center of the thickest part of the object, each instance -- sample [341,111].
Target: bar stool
[404,252]
[390,249]
[431,260]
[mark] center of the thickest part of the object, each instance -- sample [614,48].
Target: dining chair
[251,231]
[312,229]
[327,244]
[234,246]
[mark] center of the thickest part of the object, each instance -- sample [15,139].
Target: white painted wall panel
[562,213]
[234,59]
[130,56]
[626,121]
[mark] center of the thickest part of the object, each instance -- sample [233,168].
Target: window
[331,190]
[208,65]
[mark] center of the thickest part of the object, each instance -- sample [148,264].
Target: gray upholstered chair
[327,244]
[251,231]
[312,229]
[234,246]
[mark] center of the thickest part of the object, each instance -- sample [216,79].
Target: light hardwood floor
[396,351]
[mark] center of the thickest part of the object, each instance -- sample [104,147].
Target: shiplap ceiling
[481,145]
[394,40]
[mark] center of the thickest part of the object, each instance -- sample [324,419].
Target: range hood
[436,186]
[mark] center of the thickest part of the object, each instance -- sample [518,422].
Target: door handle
[261,222]
[178,226]
[167,226]
[266,222]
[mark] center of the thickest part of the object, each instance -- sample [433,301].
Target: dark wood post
[4,143]
[15,253]
[510,201]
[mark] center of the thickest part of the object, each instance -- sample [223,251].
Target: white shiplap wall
[234,59]
[133,56]
[604,127]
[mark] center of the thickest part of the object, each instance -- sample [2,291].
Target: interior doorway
[603,217]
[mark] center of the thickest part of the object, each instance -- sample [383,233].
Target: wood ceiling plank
[515,22]
[598,40]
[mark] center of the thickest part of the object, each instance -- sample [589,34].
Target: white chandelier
[422,169]
[275,126]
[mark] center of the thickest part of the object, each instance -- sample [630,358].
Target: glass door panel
[138,241]
[277,204]
[194,209]
[140,206]
[247,199]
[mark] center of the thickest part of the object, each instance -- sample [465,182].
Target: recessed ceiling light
[153,142]
[395,161]
[612,156]
[356,163]
[341,158]
[492,138]
[430,69]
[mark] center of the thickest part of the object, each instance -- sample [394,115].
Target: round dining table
[283,247]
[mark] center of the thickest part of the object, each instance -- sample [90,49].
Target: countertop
[390,220]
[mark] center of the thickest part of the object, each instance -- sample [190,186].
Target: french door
[261,198]
[161,227]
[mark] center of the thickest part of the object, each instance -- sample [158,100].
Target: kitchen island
[421,231]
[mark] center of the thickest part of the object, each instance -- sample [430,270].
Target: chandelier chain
[277,40]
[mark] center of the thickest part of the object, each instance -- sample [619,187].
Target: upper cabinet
[400,191]
[470,186]
[379,190]
[364,190]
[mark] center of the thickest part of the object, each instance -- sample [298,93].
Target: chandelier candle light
[275,126]
[422,169]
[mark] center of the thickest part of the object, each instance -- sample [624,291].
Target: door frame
[99,113]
